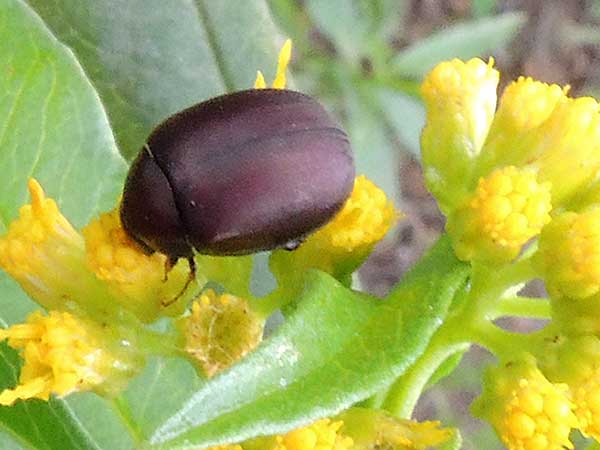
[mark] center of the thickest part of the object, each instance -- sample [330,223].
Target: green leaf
[149,59]
[293,19]
[38,424]
[356,27]
[10,443]
[482,8]
[464,40]
[159,392]
[52,127]
[52,124]
[98,416]
[337,348]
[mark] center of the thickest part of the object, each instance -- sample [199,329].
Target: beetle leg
[171,261]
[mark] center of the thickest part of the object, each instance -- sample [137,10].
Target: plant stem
[405,392]
[517,306]
[471,322]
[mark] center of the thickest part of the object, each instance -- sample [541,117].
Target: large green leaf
[160,391]
[337,348]
[53,127]
[52,124]
[150,58]
[464,40]
[356,27]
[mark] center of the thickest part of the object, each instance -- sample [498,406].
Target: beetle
[254,170]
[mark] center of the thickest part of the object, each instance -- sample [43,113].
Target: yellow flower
[565,149]
[460,99]
[576,362]
[527,411]
[139,281]
[323,434]
[569,254]
[537,126]
[363,221]
[64,354]
[220,330]
[525,105]
[46,255]
[508,208]
[372,429]
[226,447]
[285,54]
[341,245]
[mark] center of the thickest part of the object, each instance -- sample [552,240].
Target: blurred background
[365,59]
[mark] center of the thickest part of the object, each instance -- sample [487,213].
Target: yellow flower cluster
[508,208]
[342,245]
[220,330]
[323,434]
[140,281]
[528,411]
[569,254]
[537,130]
[461,100]
[99,283]
[226,447]
[356,429]
[363,221]
[371,429]
[64,354]
[504,178]
[575,361]
[44,253]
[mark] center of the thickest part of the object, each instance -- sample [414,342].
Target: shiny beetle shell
[249,171]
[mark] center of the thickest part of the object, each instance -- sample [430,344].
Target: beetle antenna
[191,277]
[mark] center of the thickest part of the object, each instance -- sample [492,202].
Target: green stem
[517,306]
[489,283]
[500,342]
[406,390]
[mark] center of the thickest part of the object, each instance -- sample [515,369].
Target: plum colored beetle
[249,171]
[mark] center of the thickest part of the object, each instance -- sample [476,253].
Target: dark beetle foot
[293,244]
[191,277]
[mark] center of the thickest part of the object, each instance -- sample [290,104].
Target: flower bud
[323,434]
[460,98]
[220,330]
[373,429]
[569,254]
[46,255]
[508,208]
[343,244]
[525,105]
[138,281]
[575,361]
[64,354]
[527,411]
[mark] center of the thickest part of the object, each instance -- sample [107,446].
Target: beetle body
[249,171]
